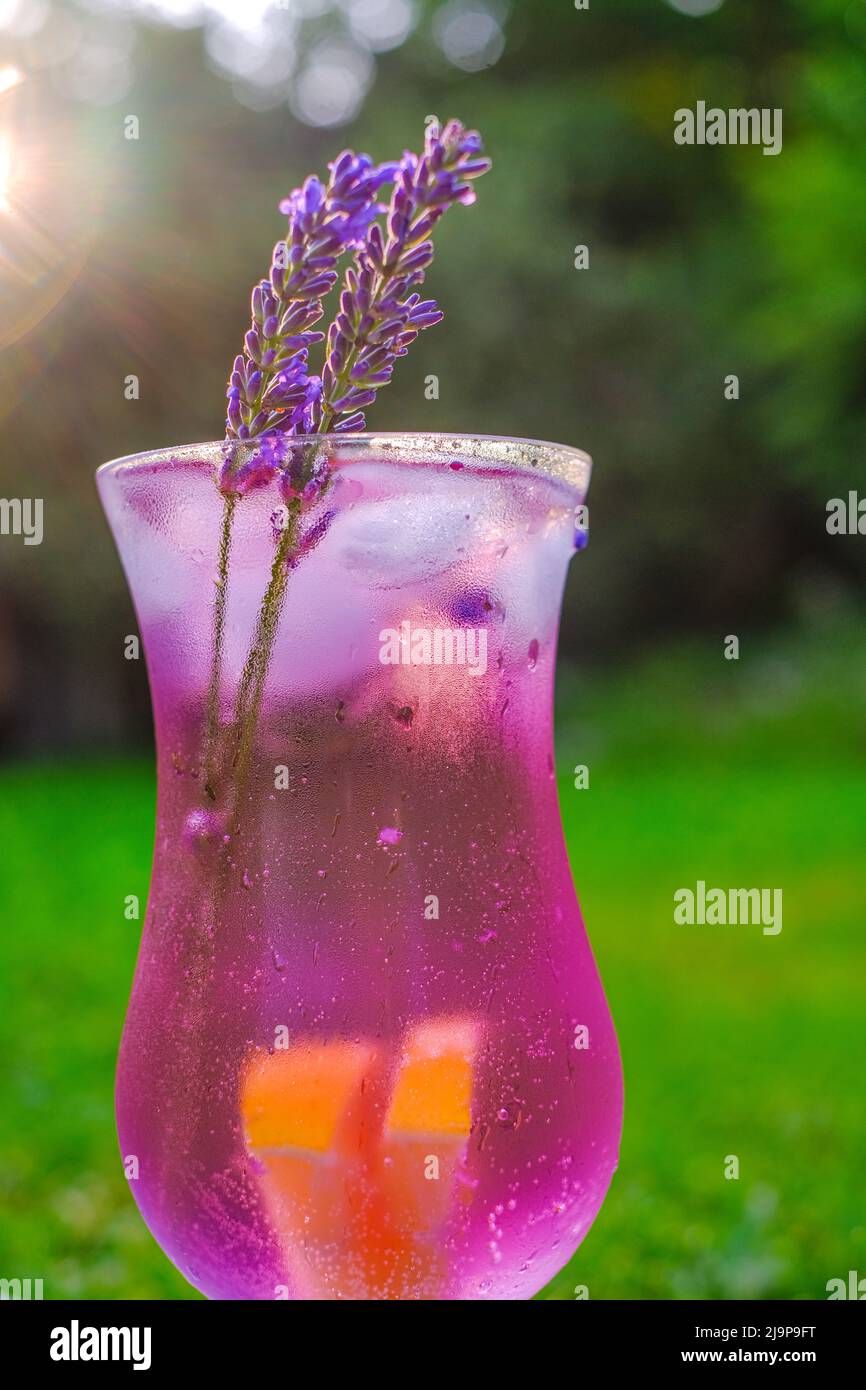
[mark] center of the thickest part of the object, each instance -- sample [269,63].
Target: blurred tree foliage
[707,514]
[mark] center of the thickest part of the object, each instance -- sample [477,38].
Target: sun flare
[10,77]
[5,172]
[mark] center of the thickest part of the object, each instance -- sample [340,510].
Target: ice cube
[404,540]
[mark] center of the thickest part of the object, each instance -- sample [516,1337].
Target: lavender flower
[381,312]
[273,397]
[303,478]
[310,538]
[249,465]
[271,387]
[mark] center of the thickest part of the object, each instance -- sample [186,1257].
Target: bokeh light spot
[380,24]
[696,8]
[470,36]
[332,86]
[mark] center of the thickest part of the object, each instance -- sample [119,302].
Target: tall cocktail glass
[367,1053]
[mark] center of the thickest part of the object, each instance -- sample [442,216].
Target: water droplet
[476,607]
[202,828]
[340,712]
[510,1116]
[533,654]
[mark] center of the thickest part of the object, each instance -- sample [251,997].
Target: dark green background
[707,517]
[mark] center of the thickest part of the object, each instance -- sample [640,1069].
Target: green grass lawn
[733,1043]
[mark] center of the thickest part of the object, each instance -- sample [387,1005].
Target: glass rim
[479,452]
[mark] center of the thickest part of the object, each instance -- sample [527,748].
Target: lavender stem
[220,604]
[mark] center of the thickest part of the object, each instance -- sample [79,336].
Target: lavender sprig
[271,390]
[271,386]
[381,312]
[273,397]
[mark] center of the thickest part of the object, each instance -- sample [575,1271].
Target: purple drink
[367,1053]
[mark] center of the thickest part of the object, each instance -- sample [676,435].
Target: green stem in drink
[220,604]
[252,683]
